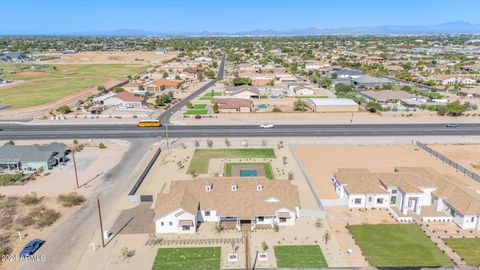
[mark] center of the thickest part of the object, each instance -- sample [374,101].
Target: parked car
[451,125]
[266,125]
[198,116]
[31,247]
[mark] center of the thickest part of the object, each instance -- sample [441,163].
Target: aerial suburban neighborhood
[335,134]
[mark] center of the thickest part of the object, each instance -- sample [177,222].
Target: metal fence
[449,162]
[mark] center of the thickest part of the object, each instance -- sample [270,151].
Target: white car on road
[266,125]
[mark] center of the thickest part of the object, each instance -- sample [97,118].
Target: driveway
[136,220]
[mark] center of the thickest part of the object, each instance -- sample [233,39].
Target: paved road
[18,132]
[67,241]
[166,115]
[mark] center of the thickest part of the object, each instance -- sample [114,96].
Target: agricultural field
[187,258]
[48,83]
[397,245]
[301,256]
[467,248]
[201,157]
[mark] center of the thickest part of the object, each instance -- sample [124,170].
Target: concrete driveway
[136,220]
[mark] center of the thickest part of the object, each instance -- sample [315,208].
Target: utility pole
[75,168]
[100,219]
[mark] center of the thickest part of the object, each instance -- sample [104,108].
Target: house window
[161,223]
[207,213]
[358,201]
[472,219]
[170,223]
[394,191]
[261,219]
[370,199]
[380,200]
[393,200]
[283,220]
[185,228]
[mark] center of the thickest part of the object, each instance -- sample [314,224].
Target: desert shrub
[25,221]
[7,179]
[102,146]
[30,199]
[70,199]
[47,218]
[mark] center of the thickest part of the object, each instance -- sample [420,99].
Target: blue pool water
[262,106]
[248,173]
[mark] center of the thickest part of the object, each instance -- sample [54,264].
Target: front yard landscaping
[195,112]
[397,245]
[208,96]
[467,248]
[301,256]
[199,106]
[201,157]
[187,258]
[10,179]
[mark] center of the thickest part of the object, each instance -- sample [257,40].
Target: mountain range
[455,27]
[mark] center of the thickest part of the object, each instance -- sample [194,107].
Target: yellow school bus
[148,123]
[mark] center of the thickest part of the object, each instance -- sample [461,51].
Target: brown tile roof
[165,82]
[232,103]
[385,95]
[359,181]
[245,203]
[129,97]
[442,77]
[168,202]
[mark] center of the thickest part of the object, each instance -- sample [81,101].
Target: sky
[72,16]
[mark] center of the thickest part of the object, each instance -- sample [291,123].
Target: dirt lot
[30,73]
[467,155]
[320,162]
[137,57]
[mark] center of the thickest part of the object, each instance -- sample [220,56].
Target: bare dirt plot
[320,162]
[467,155]
[136,57]
[31,73]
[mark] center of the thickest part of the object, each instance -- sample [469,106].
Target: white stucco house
[411,193]
[236,203]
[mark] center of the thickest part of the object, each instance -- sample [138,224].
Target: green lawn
[201,157]
[199,106]
[187,258]
[55,84]
[195,112]
[466,248]
[302,256]
[397,245]
[208,96]
[266,166]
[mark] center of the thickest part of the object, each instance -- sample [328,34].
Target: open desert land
[34,208]
[467,155]
[54,82]
[130,58]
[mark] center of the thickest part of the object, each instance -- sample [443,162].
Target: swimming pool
[248,173]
